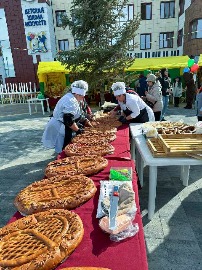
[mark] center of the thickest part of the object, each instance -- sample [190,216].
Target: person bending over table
[67,118]
[134,109]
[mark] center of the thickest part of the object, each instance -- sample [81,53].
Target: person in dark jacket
[191,89]
[166,90]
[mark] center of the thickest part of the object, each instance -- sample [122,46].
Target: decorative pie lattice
[75,165]
[97,148]
[89,138]
[40,241]
[59,192]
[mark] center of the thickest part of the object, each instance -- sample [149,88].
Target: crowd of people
[156,90]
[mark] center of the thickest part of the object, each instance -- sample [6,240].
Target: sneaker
[163,119]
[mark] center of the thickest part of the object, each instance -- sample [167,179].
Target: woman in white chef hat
[59,130]
[133,108]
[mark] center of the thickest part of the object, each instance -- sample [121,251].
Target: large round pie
[106,120]
[92,138]
[58,192]
[75,165]
[100,130]
[96,148]
[40,241]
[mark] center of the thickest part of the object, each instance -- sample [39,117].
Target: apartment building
[156,36]
[31,32]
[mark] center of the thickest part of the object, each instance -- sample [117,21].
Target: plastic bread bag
[126,198]
[131,231]
[124,229]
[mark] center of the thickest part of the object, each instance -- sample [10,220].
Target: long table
[96,248]
[143,157]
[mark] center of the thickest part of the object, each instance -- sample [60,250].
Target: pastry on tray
[97,148]
[92,138]
[58,192]
[40,241]
[75,165]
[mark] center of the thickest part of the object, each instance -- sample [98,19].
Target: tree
[104,34]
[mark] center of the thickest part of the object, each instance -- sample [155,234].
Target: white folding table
[143,157]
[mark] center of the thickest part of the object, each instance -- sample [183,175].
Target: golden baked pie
[58,192]
[89,138]
[75,165]
[97,148]
[106,120]
[40,241]
[100,130]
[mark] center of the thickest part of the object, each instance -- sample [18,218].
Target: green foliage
[102,54]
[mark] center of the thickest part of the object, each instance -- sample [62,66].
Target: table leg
[35,104]
[132,149]
[42,107]
[48,107]
[152,190]
[184,176]
[139,164]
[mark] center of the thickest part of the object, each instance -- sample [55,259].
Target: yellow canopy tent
[159,62]
[52,78]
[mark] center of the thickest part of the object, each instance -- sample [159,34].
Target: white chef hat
[119,88]
[79,87]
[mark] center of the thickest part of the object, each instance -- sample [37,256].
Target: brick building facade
[192,29]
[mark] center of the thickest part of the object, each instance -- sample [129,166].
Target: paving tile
[193,209]
[159,264]
[178,231]
[153,229]
[171,210]
[190,193]
[184,252]
[156,247]
[188,266]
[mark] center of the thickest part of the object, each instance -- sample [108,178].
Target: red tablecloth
[96,249]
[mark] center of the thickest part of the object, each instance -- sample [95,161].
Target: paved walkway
[173,237]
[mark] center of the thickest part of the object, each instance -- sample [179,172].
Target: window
[166,40]
[146,11]
[63,45]
[167,10]
[145,41]
[181,7]
[179,37]
[128,11]
[196,29]
[58,15]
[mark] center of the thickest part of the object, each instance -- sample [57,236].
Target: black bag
[150,104]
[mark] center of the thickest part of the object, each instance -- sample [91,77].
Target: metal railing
[17,92]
